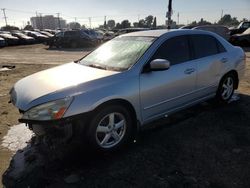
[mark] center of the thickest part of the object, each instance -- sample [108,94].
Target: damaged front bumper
[61,130]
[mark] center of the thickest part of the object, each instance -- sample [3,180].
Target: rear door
[164,91]
[210,56]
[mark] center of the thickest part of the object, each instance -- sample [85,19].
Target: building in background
[47,22]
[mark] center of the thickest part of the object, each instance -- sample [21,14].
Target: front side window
[118,54]
[175,50]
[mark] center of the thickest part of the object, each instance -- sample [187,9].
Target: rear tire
[226,88]
[110,128]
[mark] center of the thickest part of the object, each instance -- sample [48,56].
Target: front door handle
[224,60]
[189,71]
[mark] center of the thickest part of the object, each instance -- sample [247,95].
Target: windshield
[21,35]
[7,35]
[118,54]
[247,31]
[36,33]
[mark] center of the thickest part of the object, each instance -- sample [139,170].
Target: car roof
[158,33]
[210,26]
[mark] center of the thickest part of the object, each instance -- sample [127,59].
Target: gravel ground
[206,146]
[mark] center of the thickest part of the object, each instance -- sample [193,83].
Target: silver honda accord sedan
[126,83]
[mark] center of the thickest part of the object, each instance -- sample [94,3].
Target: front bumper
[62,129]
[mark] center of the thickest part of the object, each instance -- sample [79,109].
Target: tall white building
[47,22]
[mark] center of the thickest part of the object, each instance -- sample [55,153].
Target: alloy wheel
[227,88]
[111,130]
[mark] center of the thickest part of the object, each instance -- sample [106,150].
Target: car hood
[241,35]
[53,80]
[233,29]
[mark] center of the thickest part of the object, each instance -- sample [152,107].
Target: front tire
[110,128]
[226,88]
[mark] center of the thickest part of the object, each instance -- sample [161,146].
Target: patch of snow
[17,137]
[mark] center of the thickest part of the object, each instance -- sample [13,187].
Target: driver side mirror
[159,65]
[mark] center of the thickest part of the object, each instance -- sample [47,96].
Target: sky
[18,12]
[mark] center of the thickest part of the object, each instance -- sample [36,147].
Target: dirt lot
[206,146]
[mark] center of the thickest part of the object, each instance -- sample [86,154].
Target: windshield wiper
[97,66]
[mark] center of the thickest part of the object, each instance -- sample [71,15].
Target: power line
[5,18]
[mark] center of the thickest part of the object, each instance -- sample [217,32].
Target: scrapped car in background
[9,39]
[38,36]
[218,29]
[242,39]
[188,26]
[96,37]
[23,39]
[108,35]
[48,34]
[51,31]
[243,26]
[73,39]
[2,42]
[99,35]
[130,30]
[126,83]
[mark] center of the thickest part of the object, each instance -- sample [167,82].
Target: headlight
[49,111]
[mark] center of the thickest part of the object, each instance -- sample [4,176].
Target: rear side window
[206,45]
[221,48]
[175,50]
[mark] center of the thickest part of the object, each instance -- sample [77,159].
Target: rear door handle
[189,71]
[224,60]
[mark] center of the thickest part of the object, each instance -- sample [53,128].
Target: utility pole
[105,22]
[41,20]
[178,15]
[4,15]
[221,13]
[58,18]
[138,18]
[90,22]
[169,13]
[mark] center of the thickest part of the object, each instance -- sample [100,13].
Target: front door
[164,91]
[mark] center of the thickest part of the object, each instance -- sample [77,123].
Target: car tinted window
[60,34]
[221,48]
[175,50]
[71,33]
[204,45]
[246,25]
